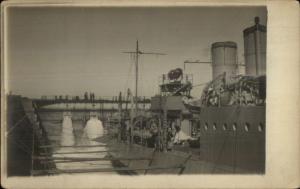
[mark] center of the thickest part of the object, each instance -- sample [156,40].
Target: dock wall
[24,135]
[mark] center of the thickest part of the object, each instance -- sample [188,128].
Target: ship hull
[226,146]
[234,136]
[147,161]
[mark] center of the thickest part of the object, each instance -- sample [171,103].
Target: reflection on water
[67,135]
[92,130]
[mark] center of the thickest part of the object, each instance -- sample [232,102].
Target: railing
[66,99]
[88,98]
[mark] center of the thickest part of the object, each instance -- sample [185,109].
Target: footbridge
[89,103]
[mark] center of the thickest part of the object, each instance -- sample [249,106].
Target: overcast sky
[53,51]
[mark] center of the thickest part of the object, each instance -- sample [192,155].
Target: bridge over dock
[50,100]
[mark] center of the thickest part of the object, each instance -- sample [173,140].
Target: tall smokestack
[255,49]
[224,59]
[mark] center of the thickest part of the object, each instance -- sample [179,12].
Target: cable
[132,57]
[16,124]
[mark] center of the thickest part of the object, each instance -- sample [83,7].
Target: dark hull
[170,162]
[243,147]
[223,149]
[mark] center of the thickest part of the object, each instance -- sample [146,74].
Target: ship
[223,131]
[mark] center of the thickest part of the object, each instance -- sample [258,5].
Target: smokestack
[224,59]
[255,49]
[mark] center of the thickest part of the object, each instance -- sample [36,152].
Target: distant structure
[255,49]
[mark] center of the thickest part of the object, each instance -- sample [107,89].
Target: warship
[223,131]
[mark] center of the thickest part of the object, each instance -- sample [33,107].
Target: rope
[128,75]
[15,125]
[22,147]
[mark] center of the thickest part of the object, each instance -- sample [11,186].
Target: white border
[283,110]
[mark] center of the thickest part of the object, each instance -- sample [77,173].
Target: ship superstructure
[224,131]
[231,123]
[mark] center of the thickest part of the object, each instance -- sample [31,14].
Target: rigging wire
[132,58]
[141,76]
[15,125]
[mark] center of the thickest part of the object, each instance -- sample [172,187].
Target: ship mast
[136,54]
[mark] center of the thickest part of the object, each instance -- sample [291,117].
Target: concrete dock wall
[24,134]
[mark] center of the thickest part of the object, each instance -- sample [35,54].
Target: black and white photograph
[135,90]
[164,94]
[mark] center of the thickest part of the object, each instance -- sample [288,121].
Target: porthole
[206,126]
[260,127]
[214,126]
[234,127]
[224,126]
[247,127]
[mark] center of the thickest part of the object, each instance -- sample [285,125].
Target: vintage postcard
[164,94]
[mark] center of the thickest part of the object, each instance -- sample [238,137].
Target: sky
[60,50]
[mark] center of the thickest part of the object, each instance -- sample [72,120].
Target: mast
[136,54]
[136,74]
